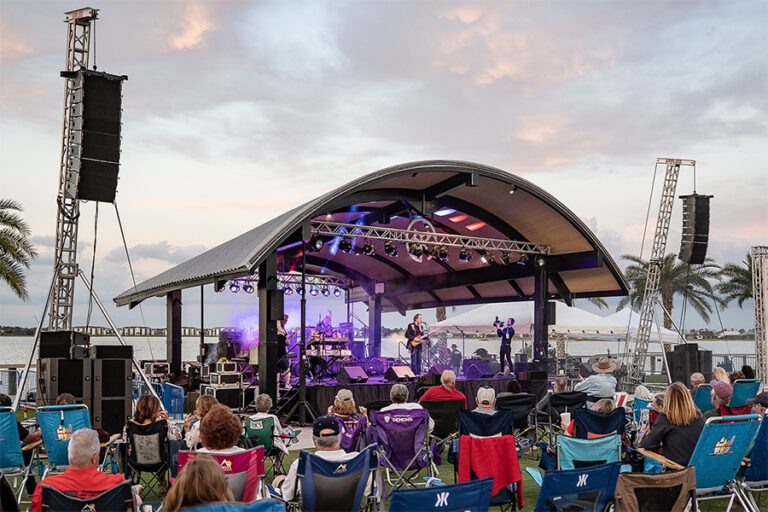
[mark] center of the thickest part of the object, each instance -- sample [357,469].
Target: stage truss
[759,295]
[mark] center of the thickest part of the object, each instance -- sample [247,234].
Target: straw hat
[604,365]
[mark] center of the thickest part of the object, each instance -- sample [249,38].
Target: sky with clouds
[237,111]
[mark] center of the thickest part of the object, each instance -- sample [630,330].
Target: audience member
[149,410]
[66,399]
[327,440]
[697,379]
[602,406]
[677,429]
[513,388]
[486,400]
[748,372]
[220,431]
[761,403]
[81,479]
[398,394]
[734,376]
[352,420]
[719,374]
[200,482]
[601,384]
[263,406]
[643,392]
[446,390]
[560,386]
[657,407]
[26,437]
[344,405]
[192,422]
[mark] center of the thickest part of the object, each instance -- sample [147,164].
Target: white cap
[486,396]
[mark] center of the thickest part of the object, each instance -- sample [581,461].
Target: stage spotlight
[325,291]
[484,259]
[234,287]
[390,249]
[416,250]
[368,248]
[248,288]
[442,253]
[336,292]
[523,260]
[316,244]
[506,258]
[465,255]
[345,245]
[288,290]
[313,290]
[299,289]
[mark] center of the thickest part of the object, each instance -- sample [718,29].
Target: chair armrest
[660,459]
[32,446]
[535,474]
[112,439]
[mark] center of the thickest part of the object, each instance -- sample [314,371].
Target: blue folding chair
[590,424]
[254,506]
[173,401]
[590,488]
[703,398]
[329,485]
[744,392]
[486,425]
[756,476]
[718,456]
[474,496]
[638,405]
[57,422]
[11,460]
[574,453]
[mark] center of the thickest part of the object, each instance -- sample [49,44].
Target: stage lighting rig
[316,243]
[390,249]
[313,290]
[523,261]
[299,289]
[325,291]
[248,288]
[345,245]
[368,248]
[506,258]
[464,255]
[337,292]
[416,250]
[441,253]
[234,287]
[288,290]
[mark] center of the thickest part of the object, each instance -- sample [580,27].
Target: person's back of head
[83,449]
[658,402]
[65,399]
[220,429]
[326,433]
[719,374]
[513,387]
[721,393]
[561,384]
[486,398]
[344,403]
[398,393]
[643,392]
[263,403]
[679,407]
[697,379]
[200,481]
[147,409]
[448,379]
[604,406]
[734,376]
[5,400]
[748,372]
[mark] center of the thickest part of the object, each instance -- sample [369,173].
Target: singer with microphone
[506,334]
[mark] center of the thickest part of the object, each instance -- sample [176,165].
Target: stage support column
[270,310]
[540,321]
[173,330]
[374,325]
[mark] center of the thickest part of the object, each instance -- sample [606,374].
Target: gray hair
[263,403]
[83,445]
[697,377]
[561,383]
[327,442]
[448,378]
[398,393]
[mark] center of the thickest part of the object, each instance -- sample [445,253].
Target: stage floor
[320,394]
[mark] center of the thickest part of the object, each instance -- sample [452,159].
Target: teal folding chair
[703,398]
[744,392]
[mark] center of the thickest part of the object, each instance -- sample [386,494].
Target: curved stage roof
[457,197]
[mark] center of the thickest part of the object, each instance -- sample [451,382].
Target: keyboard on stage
[329,352]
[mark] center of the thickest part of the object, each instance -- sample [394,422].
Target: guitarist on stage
[415,336]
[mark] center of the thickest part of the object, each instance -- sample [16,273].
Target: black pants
[416,360]
[505,352]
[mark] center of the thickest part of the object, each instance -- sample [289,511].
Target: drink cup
[565,419]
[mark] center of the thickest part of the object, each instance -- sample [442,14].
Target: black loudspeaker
[111,414]
[112,378]
[111,352]
[695,234]
[551,313]
[352,375]
[521,357]
[687,359]
[478,371]
[399,373]
[483,366]
[438,369]
[538,384]
[276,305]
[58,375]
[705,364]
[63,344]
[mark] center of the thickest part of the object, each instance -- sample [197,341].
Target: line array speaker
[695,233]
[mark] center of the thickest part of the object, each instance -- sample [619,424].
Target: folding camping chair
[639,492]
[567,401]
[590,488]
[756,475]
[376,405]
[744,393]
[254,506]
[8,501]
[445,414]
[118,499]
[718,456]
[173,401]
[261,432]
[244,470]
[334,485]
[57,422]
[521,405]
[352,431]
[574,453]
[474,496]
[147,452]
[641,404]
[11,459]
[703,398]
[590,424]
[403,443]
[486,425]
[492,457]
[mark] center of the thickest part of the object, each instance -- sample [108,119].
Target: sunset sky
[237,111]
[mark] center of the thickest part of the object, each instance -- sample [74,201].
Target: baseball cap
[486,396]
[325,423]
[344,395]
[722,390]
[762,399]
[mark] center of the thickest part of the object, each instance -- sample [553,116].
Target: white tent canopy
[626,317]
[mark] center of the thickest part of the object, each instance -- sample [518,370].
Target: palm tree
[737,284]
[16,251]
[677,278]
[598,301]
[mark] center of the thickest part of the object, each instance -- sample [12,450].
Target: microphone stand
[463,345]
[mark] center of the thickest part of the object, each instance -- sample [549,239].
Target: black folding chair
[445,414]
[118,499]
[147,453]
[521,405]
[376,405]
[567,401]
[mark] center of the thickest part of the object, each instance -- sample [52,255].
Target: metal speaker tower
[79,24]
[759,295]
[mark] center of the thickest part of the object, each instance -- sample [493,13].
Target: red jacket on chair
[491,457]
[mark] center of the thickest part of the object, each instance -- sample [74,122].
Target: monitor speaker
[352,375]
[482,365]
[399,374]
[58,375]
[695,233]
[478,371]
[438,369]
[111,414]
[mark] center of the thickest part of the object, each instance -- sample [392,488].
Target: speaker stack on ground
[112,386]
[695,233]
[687,359]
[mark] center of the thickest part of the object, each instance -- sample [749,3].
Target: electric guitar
[418,340]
